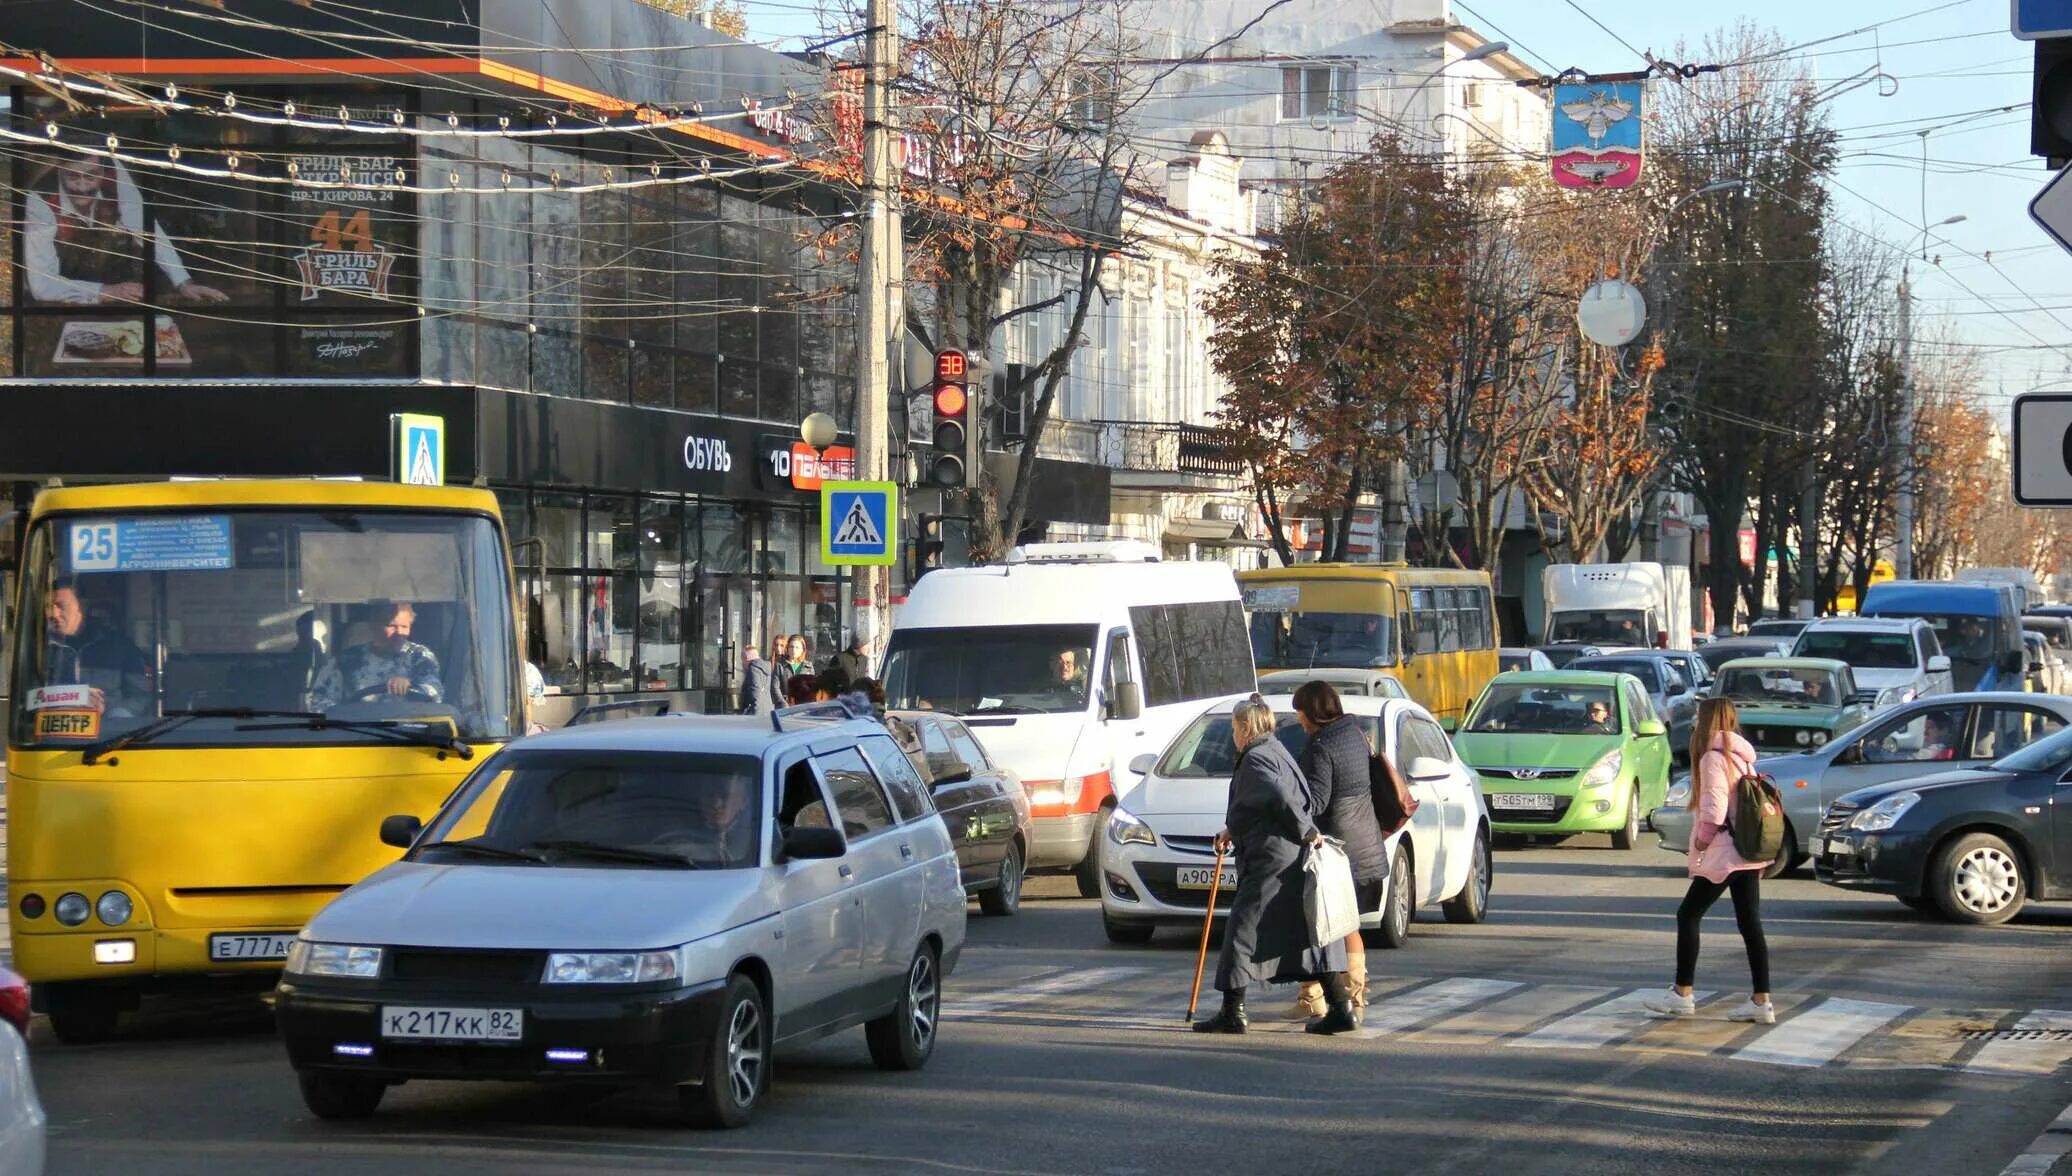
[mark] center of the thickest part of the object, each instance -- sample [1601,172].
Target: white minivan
[1068,661]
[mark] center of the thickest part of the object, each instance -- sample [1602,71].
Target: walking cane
[1201,957]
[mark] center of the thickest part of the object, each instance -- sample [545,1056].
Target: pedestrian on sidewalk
[1722,757]
[1266,935]
[1341,800]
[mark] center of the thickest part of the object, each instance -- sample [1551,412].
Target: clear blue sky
[2005,286]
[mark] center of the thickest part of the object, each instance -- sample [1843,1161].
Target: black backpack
[1755,817]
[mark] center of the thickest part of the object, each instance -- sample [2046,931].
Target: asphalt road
[1509,1046]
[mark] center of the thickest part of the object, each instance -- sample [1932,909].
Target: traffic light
[927,545]
[949,467]
[2050,114]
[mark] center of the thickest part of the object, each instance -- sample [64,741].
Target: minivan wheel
[1088,871]
[340,1096]
[737,1065]
[1005,898]
[1395,913]
[904,1038]
[1629,836]
[1977,879]
[1471,905]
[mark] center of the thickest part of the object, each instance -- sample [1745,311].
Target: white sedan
[1158,858]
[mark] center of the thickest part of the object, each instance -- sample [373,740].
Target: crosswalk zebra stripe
[1599,1025]
[2039,1056]
[1820,1034]
[1429,1003]
[1513,1015]
[1093,981]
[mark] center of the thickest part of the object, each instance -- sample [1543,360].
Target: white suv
[1895,659]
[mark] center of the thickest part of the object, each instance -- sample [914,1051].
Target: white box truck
[1629,604]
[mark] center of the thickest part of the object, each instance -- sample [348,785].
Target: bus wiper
[177,718]
[482,848]
[408,732]
[610,852]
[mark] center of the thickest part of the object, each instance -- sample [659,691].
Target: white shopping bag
[1329,895]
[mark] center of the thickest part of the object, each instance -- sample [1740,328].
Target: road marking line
[1512,1015]
[1819,1036]
[2026,1057]
[2045,1150]
[1025,994]
[1600,1024]
[1430,1003]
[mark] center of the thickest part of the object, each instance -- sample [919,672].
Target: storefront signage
[707,455]
[806,467]
[782,124]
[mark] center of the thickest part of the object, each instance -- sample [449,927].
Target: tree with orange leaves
[1600,455]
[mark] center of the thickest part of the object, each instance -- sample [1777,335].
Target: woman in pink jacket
[1722,757]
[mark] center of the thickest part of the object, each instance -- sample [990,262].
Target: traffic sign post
[859,523]
[2042,446]
[2034,20]
[417,449]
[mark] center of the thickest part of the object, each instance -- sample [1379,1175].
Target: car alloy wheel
[1471,905]
[746,1055]
[1987,880]
[923,998]
[737,1061]
[1628,837]
[1395,911]
[904,1038]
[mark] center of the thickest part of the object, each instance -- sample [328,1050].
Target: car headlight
[1802,737]
[72,908]
[1679,793]
[333,959]
[114,908]
[1604,771]
[1886,813]
[1125,827]
[1820,739]
[611,967]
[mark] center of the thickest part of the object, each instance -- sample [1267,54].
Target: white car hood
[1160,796]
[1886,679]
[542,908]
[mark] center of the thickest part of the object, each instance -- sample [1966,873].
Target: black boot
[1231,1020]
[1340,1016]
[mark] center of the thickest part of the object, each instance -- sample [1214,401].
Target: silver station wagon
[656,900]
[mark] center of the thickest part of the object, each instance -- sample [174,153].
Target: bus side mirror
[1128,702]
[400,830]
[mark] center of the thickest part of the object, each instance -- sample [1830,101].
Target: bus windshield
[1008,669]
[1307,640]
[271,626]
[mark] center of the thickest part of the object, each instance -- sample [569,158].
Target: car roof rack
[812,712]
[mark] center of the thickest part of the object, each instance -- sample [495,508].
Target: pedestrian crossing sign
[858,522]
[418,449]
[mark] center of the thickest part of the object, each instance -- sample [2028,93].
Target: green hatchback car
[1792,704]
[1561,752]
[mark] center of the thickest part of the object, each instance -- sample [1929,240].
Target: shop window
[661,632]
[559,519]
[611,611]
[781,556]
[824,618]
[725,535]
[611,524]
[661,535]
[555,632]
[787,615]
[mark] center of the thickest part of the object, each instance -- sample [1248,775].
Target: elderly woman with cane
[1266,938]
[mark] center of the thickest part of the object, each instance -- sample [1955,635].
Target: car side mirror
[805,843]
[400,830]
[1128,702]
[1428,769]
[1143,764]
[1650,728]
[1939,664]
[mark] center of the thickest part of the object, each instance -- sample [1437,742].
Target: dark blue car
[1975,843]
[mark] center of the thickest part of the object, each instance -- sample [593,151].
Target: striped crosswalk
[1811,1031]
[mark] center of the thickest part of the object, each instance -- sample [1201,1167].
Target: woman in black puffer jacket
[1335,766]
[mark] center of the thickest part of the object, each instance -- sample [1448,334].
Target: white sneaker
[1760,1014]
[1670,1003]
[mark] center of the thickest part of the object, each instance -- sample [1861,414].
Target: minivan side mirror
[1128,701]
[1143,764]
[2014,661]
[1939,664]
[806,843]
[400,830]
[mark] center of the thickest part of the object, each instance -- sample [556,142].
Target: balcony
[1148,455]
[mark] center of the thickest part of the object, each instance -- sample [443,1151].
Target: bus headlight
[114,908]
[73,908]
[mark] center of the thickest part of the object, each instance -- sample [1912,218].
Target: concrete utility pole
[880,308]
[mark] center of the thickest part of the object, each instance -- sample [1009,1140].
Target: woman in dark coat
[1336,765]
[1266,936]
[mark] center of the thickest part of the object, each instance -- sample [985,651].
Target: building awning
[1213,532]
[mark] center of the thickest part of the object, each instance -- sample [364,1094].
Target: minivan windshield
[264,627]
[1004,669]
[1865,651]
[567,807]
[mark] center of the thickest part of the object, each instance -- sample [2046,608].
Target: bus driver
[389,665]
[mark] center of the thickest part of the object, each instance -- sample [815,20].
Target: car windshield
[1559,656]
[1965,638]
[1865,651]
[1506,662]
[2051,754]
[1649,672]
[1720,653]
[1010,669]
[265,627]
[1782,684]
[604,808]
[1776,628]
[1611,626]
[2053,631]
[1519,708]
[1304,640]
[1204,751]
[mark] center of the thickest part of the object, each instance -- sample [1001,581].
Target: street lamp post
[1903,509]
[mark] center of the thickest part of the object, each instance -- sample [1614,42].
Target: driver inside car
[388,665]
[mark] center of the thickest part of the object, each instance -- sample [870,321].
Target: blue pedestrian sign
[857,523]
[417,449]
[2034,20]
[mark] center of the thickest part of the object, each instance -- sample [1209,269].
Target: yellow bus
[1845,596]
[231,684]
[1433,628]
